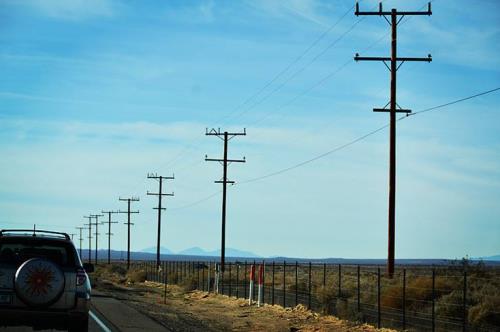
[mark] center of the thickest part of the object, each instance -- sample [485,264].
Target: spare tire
[39,282]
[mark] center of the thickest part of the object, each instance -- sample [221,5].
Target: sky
[96,94]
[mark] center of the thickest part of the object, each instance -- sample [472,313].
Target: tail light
[81,276]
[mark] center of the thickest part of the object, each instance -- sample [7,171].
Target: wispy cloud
[69,9]
[204,12]
[310,10]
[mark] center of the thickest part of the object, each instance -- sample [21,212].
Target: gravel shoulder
[201,311]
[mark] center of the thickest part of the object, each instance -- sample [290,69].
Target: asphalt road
[108,314]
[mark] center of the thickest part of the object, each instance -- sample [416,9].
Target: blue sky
[95,94]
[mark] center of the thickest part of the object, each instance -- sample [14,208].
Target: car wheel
[39,282]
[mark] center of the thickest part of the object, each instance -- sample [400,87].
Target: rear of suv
[43,282]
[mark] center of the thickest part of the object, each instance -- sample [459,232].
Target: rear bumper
[44,318]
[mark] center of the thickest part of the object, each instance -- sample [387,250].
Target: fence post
[245,281]
[263,281]
[310,286]
[230,282]
[202,267]
[252,277]
[464,324]
[237,280]
[378,297]
[340,281]
[164,283]
[359,289]
[207,285]
[284,284]
[272,289]
[404,299]
[324,275]
[260,297]
[433,300]
[296,283]
[221,276]
[166,268]
[253,293]
[198,265]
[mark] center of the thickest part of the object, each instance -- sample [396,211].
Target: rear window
[18,250]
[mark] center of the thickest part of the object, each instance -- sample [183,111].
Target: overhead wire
[330,75]
[341,147]
[195,141]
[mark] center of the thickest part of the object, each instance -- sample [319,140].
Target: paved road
[108,314]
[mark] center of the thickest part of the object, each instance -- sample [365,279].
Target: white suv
[43,283]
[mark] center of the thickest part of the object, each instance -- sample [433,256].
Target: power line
[336,149]
[301,69]
[454,102]
[194,142]
[182,207]
[341,147]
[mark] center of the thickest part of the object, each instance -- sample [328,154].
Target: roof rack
[33,232]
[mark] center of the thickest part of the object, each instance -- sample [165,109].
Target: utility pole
[395,63]
[225,136]
[128,223]
[160,194]
[96,216]
[81,239]
[109,222]
[90,237]
[72,236]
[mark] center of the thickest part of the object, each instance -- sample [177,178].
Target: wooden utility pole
[81,239]
[128,223]
[96,216]
[160,194]
[109,222]
[395,63]
[225,136]
[90,237]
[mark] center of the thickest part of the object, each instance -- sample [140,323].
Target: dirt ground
[202,311]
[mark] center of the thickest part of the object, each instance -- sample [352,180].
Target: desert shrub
[302,286]
[418,291]
[349,288]
[486,312]
[347,311]
[172,278]
[327,298]
[189,284]
[136,276]
[450,305]
[117,269]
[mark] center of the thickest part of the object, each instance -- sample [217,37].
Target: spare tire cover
[39,282]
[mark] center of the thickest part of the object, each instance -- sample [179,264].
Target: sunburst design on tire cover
[39,280]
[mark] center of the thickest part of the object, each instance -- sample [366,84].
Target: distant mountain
[194,251]
[163,250]
[230,252]
[491,258]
